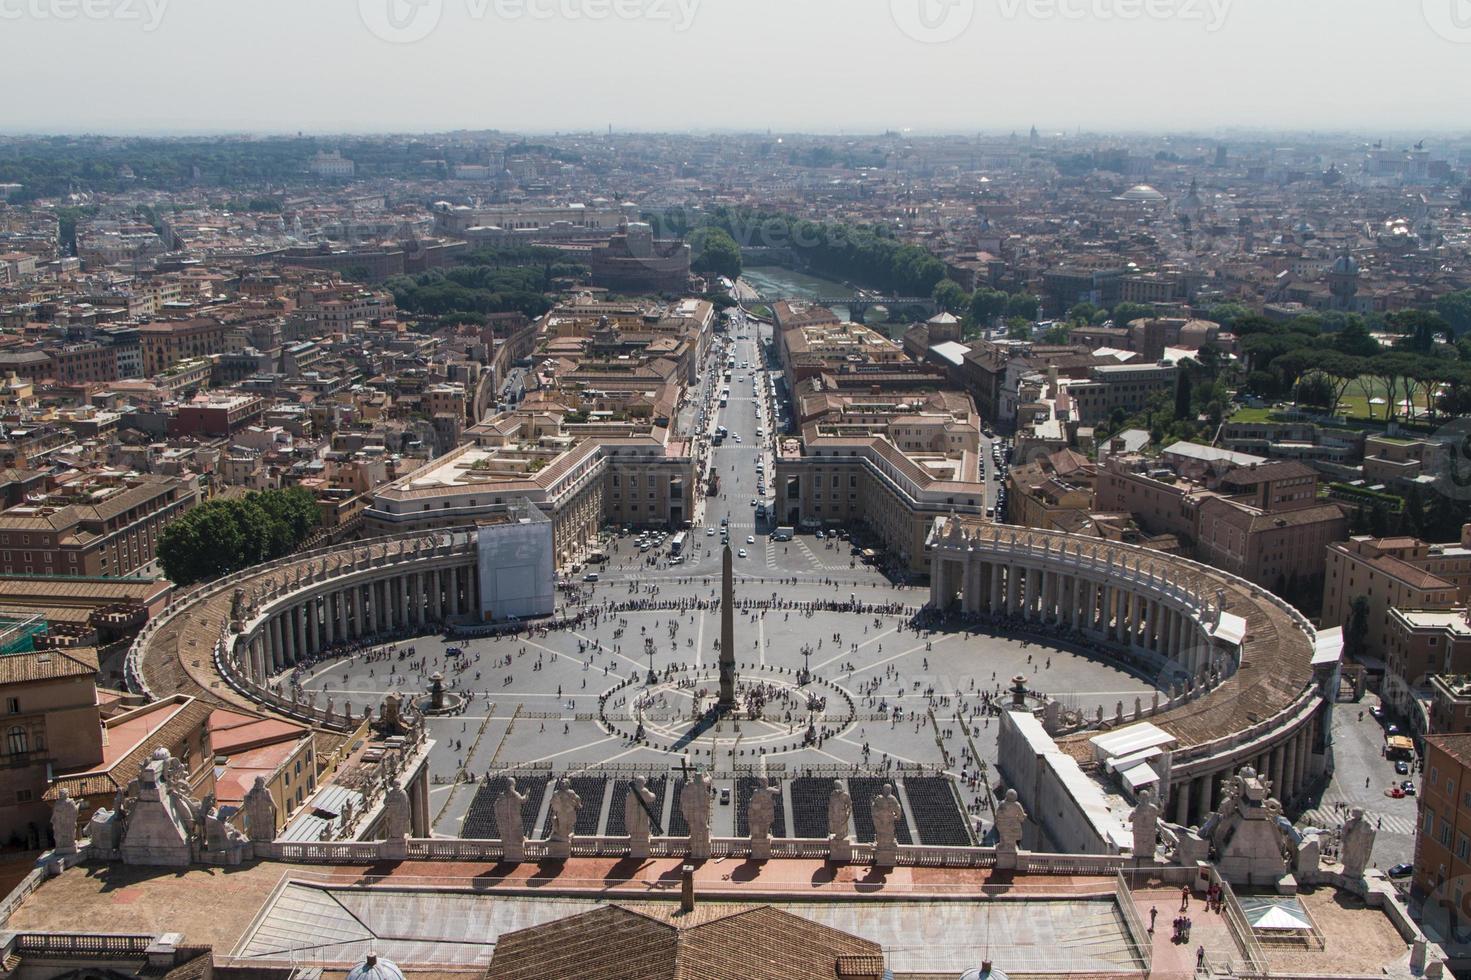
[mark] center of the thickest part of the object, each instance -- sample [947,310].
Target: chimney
[687,888]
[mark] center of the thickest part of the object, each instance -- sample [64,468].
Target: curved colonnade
[1239,659]
[224,640]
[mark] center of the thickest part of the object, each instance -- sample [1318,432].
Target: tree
[1024,305]
[1183,408]
[950,296]
[1082,313]
[715,253]
[987,304]
[1126,313]
[1355,340]
[1058,333]
[222,536]
[1455,308]
[1316,390]
[1018,328]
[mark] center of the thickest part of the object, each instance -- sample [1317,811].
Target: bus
[676,547]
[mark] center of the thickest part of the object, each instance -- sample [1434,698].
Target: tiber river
[777,281]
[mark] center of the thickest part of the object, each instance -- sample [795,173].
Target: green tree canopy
[225,535]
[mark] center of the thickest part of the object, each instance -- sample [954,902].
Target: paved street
[1363,778]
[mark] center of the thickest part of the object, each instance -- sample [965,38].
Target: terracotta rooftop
[617,942]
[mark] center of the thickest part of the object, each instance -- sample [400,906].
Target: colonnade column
[298,629]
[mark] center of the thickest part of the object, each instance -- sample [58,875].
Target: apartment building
[103,527]
[1118,387]
[1257,519]
[51,722]
[1052,491]
[1392,573]
[613,474]
[166,343]
[1443,838]
[80,363]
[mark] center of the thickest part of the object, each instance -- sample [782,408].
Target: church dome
[374,967]
[1345,265]
[1142,194]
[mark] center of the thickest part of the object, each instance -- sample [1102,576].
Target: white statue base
[638,848]
[559,850]
[1006,858]
[699,848]
[513,851]
[394,850]
[839,849]
[886,856]
[761,849]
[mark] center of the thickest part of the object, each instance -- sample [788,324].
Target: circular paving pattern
[775,712]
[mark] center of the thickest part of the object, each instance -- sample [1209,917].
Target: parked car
[1402,768]
[1408,786]
[1401,871]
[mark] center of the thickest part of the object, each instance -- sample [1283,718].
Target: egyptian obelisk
[727,632]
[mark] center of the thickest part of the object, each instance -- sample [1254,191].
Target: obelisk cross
[727,632]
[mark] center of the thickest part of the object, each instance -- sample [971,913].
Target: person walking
[1184,898]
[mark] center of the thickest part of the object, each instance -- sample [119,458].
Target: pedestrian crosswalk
[1327,816]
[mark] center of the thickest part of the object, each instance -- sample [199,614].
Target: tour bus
[725,398]
[676,547]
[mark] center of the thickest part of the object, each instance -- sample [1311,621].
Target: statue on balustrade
[839,809]
[760,814]
[1145,819]
[694,804]
[508,815]
[638,816]
[886,816]
[1011,817]
[260,812]
[564,807]
[1357,843]
[396,819]
[64,823]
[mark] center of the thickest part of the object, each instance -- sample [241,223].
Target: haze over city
[140,66]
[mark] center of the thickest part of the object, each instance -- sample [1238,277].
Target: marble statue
[1357,843]
[396,821]
[260,812]
[508,816]
[564,807]
[886,816]
[694,804]
[839,809]
[638,816]
[760,814]
[64,823]
[1145,819]
[1010,817]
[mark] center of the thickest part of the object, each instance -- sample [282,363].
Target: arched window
[16,741]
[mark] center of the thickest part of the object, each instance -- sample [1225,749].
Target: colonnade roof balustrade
[174,654]
[1274,674]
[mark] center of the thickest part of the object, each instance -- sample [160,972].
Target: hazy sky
[816,65]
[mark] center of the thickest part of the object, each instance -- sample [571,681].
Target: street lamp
[649,649]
